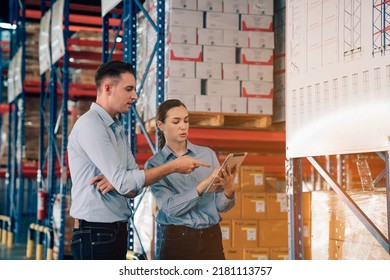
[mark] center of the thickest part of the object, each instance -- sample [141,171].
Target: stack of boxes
[279,62]
[257,227]
[219,56]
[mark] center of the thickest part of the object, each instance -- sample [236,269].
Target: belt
[78,223]
[187,231]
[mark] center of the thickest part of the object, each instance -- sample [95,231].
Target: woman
[189,218]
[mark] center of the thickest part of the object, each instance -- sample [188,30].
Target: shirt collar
[167,152]
[106,118]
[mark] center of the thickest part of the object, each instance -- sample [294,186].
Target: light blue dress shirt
[95,149]
[176,195]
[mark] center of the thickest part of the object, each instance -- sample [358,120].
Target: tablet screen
[232,160]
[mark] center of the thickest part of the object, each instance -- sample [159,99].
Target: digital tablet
[232,160]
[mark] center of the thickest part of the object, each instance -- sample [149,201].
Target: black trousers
[99,241]
[184,243]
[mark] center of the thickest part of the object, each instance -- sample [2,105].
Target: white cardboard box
[210,5]
[185,52]
[256,56]
[187,18]
[231,104]
[261,7]
[257,89]
[257,23]
[235,38]
[222,21]
[183,4]
[204,103]
[263,73]
[237,72]
[181,86]
[264,40]
[187,99]
[184,69]
[212,37]
[235,6]
[208,70]
[223,87]
[261,106]
[182,35]
[219,54]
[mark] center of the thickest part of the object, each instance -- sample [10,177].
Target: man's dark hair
[112,69]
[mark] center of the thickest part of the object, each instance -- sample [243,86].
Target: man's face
[123,93]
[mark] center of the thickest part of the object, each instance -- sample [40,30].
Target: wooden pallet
[222,120]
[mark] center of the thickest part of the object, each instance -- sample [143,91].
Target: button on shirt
[176,195]
[95,149]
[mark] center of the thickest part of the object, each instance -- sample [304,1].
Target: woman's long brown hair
[161,115]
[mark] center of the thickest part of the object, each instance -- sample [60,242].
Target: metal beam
[372,228]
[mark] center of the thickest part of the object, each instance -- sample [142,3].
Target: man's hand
[102,184]
[187,164]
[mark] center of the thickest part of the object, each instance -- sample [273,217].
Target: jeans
[184,243]
[99,241]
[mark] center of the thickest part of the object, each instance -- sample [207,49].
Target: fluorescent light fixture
[118,39]
[5,25]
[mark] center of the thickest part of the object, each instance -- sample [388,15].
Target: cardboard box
[180,86]
[264,73]
[183,4]
[277,206]
[256,254]
[212,37]
[222,21]
[238,72]
[235,38]
[256,56]
[273,233]
[257,23]
[219,54]
[278,253]
[186,18]
[233,253]
[264,40]
[254,206]
[261,7]
[182,35]
[235,105]
[185,52]
[260,106]
[307,213]
[205,103]
[235,212]
[252,179]
[223,88]
[226,229]
[244,233]
[210,5]
[235,6]
[257,89]
[183,69]
[187,99]
[209,70]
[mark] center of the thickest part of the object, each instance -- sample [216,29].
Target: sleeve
[169,200]
[96,142]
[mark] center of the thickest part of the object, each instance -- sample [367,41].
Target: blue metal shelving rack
[380,26]
[51,156]
[14,173]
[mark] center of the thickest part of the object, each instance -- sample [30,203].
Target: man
[99,153]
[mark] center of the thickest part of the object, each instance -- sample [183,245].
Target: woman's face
[176,125]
